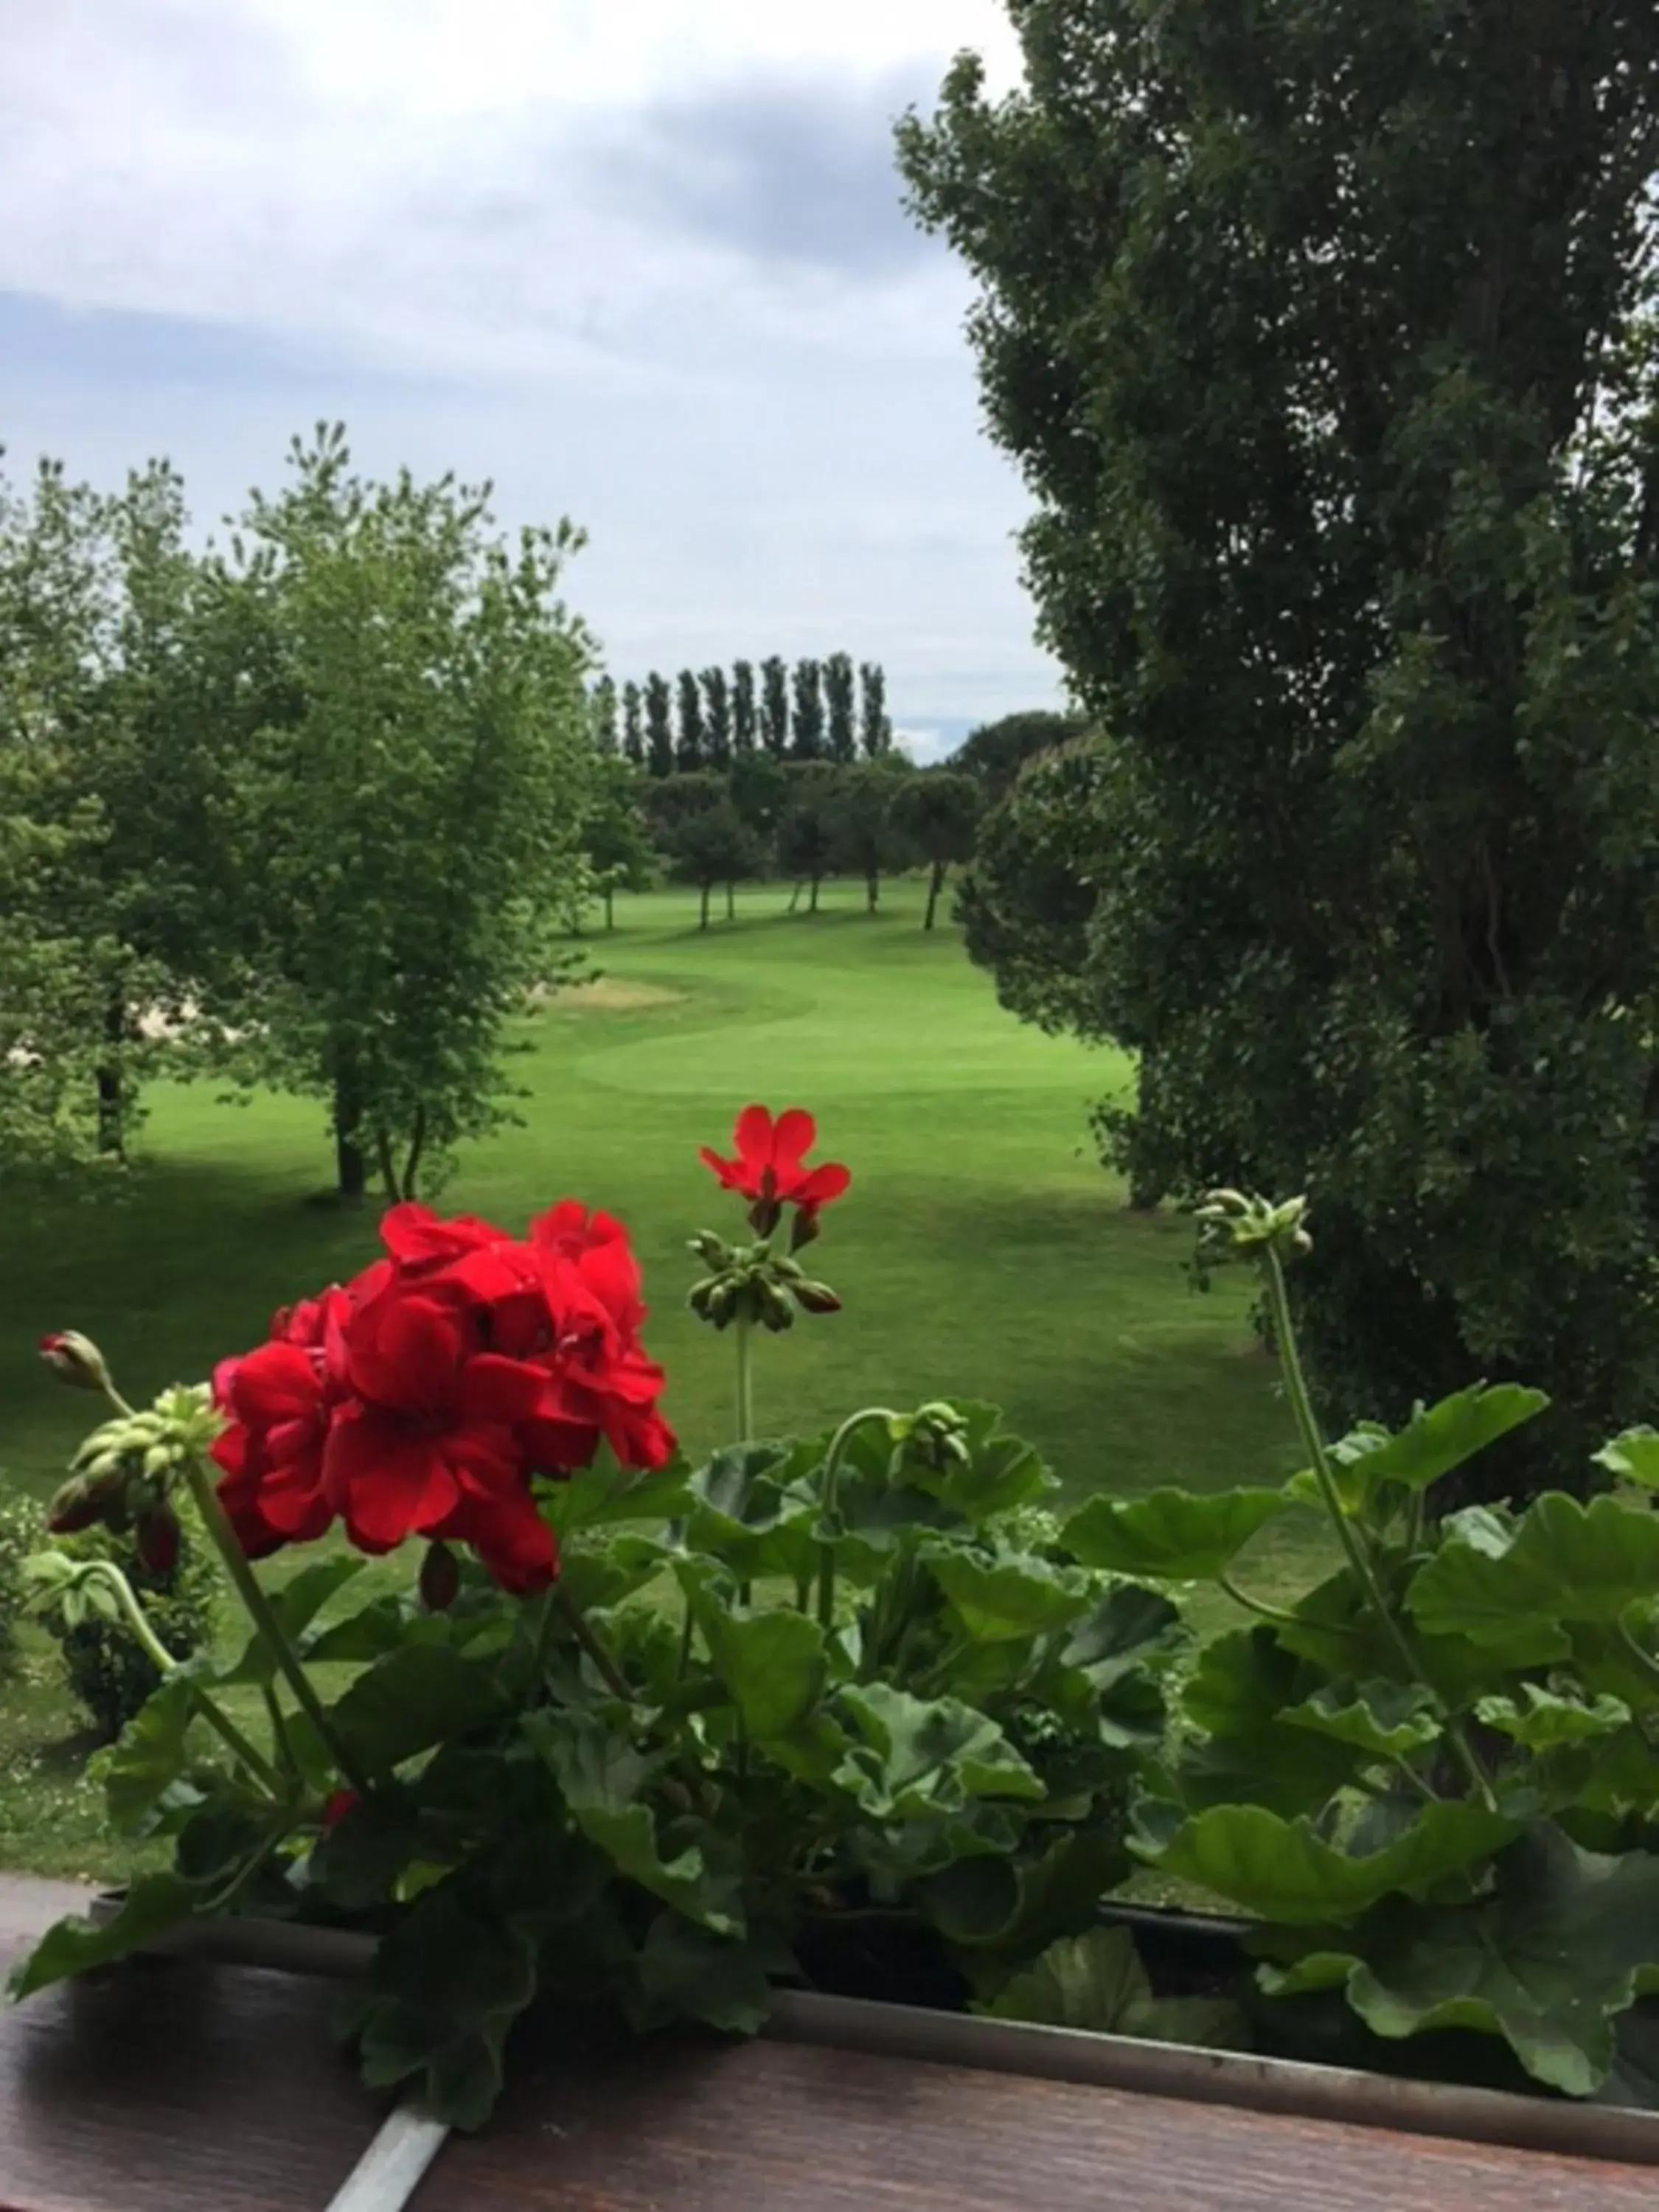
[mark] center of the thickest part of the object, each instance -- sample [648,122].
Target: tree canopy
[1325,339]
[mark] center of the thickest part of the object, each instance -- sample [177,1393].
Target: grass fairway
[981,1251]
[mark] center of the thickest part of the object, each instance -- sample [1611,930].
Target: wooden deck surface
[170,2086]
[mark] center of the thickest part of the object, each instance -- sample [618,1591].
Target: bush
[20,1534]
[107,1672]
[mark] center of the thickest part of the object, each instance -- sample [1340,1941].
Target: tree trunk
[935,885]
[812,904]
[112,1096]
[610,907]
[731,901]
[872,891]
[794,896]
[350,1169]
[706,888]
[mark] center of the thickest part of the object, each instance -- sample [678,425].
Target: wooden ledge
[170,2085]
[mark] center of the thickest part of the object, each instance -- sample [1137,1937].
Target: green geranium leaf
[775,1664]
[1248,1752]
[1172,1536]
[1436,1439]
[1095,1982]
[1543,1721]
[1633,1458]
[297,1606]
[1284,1870]
[1388,1719]
[913,1758]
[417,1695]
[1013,1906]
[685,1973]
[604,1781]
[383,1625]
[754,1509]
[1562,1946]
[447,1982]
[144,1769]
[1011,1598]
[1566,1562]
[607,1495]
[594,1574]
[998,1472]
[154,1903]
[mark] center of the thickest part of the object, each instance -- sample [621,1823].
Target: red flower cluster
[770,1169]
[421,1398]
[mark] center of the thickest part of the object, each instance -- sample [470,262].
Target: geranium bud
[805,1231]
[816,1298]
[82,1503]
[75,1359]
[158,1538]
[441,1578]
[335,1806]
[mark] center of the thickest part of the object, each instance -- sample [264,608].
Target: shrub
[20,1534]
[108,1673]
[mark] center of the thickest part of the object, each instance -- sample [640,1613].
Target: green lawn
[981,1252]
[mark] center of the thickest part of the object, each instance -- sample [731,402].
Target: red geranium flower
[424,1397]
[770,1169]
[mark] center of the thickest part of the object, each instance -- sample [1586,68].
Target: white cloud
[644,257]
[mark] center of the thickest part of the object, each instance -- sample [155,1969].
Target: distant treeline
[816,710]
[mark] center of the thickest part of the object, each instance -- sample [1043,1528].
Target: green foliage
[615,836]
[841,702]
[807,823]
[865,839]
[806,720]
[875,727]
[937,814]
[20,1529]
[659,1818]
[658,726]
[1431,1779]
[110,1675]
[712,846]
[1095,1982]
[996,753]
[691,740]
[774,722]
[1346,530]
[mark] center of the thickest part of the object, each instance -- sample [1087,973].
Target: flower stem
[267,1625]
[745,1343]
[1360,1559]
[832,1461]
[167,1666]
[582,1628]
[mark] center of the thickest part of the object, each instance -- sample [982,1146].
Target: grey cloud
[790,169]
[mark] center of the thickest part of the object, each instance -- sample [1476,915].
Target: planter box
[186,2083]
[1244,2080]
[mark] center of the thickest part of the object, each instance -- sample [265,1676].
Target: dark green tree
[1325,337]
[806,711]
[632,725]
[711,847]
[744,724]
[937,813]
[618,837]
[658,725]
[757,784]
[774,707]
[867,840]
[841,702]
[875,729]
[691,741]
[807,827]
[418,827]
[996,751]
[717,718]
[602,706]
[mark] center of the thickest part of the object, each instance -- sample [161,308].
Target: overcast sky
[642,262]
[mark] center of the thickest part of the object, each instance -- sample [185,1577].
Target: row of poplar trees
[815,710]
